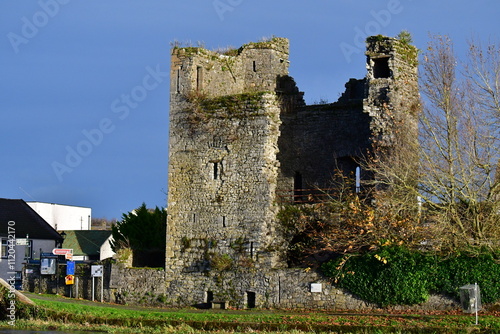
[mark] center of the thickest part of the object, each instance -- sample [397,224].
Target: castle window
[251,250]
[199,78]
[381,68]
[254,66]
[223,221]
[297,188]
[178,89]
[216,170]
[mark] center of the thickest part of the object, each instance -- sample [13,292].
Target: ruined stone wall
[393,100]
[224,130]
[254,67]
[318,139]
[221,182]
[241,137]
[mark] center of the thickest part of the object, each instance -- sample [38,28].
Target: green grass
[58,315]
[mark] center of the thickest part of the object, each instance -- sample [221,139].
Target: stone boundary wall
[281,288]
[55,284]
[144,286]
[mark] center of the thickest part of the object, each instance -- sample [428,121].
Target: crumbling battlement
[252,68]
[243,142]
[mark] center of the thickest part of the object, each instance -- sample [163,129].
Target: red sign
[62,251]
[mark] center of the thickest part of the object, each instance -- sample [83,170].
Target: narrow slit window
[251,250]
[199,78]
[216,170]
[178,88]
[297,186]
[254,66]
[223,221]
[194,217]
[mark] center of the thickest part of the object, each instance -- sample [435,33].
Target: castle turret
[393,100]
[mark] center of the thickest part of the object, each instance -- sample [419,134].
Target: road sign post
[97,271]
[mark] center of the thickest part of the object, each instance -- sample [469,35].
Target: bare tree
[458,144]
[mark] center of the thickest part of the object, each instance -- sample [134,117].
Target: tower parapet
[251,68]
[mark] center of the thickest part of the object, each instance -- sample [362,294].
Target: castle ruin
[243,142]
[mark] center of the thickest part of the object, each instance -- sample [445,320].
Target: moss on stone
[233,104]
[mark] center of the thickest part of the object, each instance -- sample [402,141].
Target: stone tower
[242,143]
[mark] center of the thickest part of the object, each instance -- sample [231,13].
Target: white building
[64,217]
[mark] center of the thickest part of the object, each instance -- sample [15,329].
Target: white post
[475,300]
[93,288]
[358,179]
[76,287]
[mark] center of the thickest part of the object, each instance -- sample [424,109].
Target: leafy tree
[144,232]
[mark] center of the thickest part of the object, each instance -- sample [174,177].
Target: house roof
[86,242]
[27,221]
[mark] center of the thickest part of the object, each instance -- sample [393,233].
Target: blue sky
[84,94]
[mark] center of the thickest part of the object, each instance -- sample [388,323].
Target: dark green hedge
[395,275]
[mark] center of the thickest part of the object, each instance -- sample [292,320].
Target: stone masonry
[242,143]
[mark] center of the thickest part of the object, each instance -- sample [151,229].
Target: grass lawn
[59,314]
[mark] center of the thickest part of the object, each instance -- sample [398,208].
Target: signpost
[70,275]
[62,251]
[97,271]
[70,280]
[22,242]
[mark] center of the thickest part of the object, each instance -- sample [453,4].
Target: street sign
[96,270]
[70,268]
[70,279]
[62,251]
[22,242]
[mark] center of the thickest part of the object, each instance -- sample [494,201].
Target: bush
[394,275]
[462,269]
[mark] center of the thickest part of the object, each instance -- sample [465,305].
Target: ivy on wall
[394,275]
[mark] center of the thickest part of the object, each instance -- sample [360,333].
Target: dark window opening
[178,81]
[194,217]
[254,66]
[250,299]
[381,68]
[199,78]
[297,188]
[210,296]
[216,170]
[223,221]
[251,250]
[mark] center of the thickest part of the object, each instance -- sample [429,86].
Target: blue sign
[70,268]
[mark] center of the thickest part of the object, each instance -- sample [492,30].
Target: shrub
[221,262]
[394,275]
